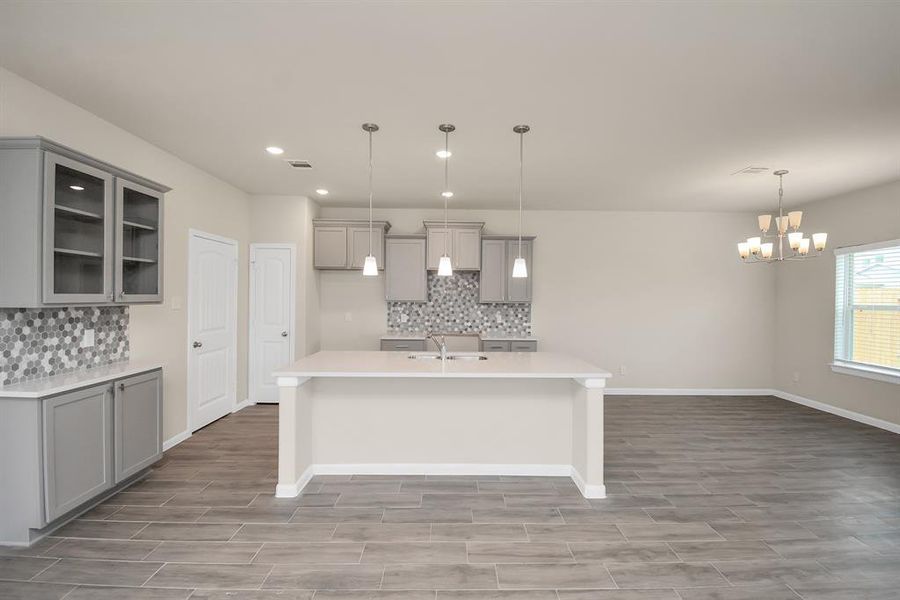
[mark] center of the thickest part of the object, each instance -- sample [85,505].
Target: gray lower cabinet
[78,457]
[498,254]
[411,345]
[404,269]
[138,426]
[508,345]
[494,346]
[75,230]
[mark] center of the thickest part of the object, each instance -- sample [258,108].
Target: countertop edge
[439,375]
[66,382]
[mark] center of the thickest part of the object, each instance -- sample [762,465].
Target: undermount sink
[450,356]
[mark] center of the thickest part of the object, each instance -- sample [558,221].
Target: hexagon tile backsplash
[36,343]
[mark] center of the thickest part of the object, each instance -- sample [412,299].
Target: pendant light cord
[370,194]
[521,185]
[446,187]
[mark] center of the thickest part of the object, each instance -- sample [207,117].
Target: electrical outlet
[796,377]
[404,317]
[176,302]
[87,340]
[623,370]
[499,317]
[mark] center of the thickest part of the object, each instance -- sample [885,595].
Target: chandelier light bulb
[765,221]
[445,269]
[804,246]
[744,250]
[767,249]
[794,239]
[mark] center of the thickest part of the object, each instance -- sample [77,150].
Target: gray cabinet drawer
[78,457]
[494,346]
[401,345]
[138,416]
[524,346]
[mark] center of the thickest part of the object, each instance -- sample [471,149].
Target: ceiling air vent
[751,171]
[299,164]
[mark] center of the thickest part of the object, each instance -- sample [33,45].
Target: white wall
[805,304]
[197,200]
[662,294]
[288,220]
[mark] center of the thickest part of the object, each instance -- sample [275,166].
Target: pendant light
[370,267]
[445,266]
[520,269]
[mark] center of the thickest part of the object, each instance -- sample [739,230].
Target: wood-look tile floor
[710,498]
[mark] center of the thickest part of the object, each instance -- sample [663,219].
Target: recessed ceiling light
[322,192]
[77,188]
[444,154]
[275,150]
[447,194]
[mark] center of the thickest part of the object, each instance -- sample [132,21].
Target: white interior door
[212,328]
[272,310]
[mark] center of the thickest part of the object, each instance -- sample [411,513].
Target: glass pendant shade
[794,239]
[520,269]
[754,243]
[370,267]
[744,249]
[795,217]
[782,224]
[445,269]
[765,221]
[767,249]
[819,241]
[804,246]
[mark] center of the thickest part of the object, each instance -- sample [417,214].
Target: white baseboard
[176,439]
[588,491]
[243,404]
[841,412]
[291,490]
[687,392]
[443,469]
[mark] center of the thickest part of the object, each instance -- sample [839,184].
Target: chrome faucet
[442,345]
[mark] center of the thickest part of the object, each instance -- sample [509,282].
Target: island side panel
[588,437]
[510,426]
[294,436]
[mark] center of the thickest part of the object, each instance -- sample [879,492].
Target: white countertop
[509,365]
[58,384]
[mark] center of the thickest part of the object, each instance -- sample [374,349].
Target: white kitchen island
[533,413]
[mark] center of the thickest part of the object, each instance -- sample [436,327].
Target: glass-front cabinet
[138,243]
[78,215]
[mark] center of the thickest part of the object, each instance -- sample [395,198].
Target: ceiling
[634,106]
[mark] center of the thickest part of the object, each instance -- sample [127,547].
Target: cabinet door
[138,423]
[78,457]
[359,246]
[138,243]
[330,247]
[492,287]
[400,345]
[519,290]
[78,211]
[405,275]
[523,346]
[467,249]
[440,241]
[494,346]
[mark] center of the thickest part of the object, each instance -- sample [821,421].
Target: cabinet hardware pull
[284,334]
[121,387]
[197,344]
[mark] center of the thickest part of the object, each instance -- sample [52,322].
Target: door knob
[284,334]
[198,344]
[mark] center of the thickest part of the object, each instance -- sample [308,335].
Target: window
[867,311]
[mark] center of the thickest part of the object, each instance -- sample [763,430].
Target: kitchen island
[534,414]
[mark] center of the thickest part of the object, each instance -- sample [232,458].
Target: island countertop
[524,365]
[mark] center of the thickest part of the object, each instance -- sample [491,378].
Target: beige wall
[288,220]
[197,200]
[662,294]
[805,305]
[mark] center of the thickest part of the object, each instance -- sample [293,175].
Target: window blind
[867,306]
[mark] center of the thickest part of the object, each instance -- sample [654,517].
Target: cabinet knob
[121,387]
[284,334]
[198,344]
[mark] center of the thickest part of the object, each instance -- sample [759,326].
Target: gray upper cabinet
[461,240]
[75,230]
[405,274]
[498,253]
[138,243]
[340,244]
[78,458]
[138,427]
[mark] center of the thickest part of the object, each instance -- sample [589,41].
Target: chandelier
[756,249]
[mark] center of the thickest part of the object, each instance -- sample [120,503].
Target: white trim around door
[260,332]
[225,364]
